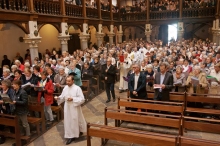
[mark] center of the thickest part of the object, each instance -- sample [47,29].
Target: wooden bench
[185,141]
[174,96]
[164,120]
[128,135]
[96,86]
[202,98]
[85,89]
[13,121]
[58,111]
[37,121]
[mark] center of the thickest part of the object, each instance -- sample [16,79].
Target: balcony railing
[73,10]
[164,14]
[14,5]
[134,16]
[91,12]
[47,7]
[200,12]
[105,15]
[61,8]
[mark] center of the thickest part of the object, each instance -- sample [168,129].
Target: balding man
[108,74]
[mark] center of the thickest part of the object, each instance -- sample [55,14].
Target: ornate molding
[32,42]
[64,39]
[84,37]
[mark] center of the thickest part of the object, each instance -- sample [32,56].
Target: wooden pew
[174,96]
[202,98]
[96,86]
[85,89]
[165,120]
[185,141]
[128,135]
[37,121]
[13,121]
[174,107]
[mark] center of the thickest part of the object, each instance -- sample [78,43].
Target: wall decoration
[35,33]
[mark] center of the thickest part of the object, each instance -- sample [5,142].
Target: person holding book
[149,77]
[45,90]
[21,105]
[196,81]
[179,80]
[7,93]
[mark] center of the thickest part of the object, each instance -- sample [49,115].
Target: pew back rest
[201,124]
[173,121]
[174,107]
[185,141]
[85,85]
[36,107]
[128,135]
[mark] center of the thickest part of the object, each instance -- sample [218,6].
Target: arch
[107,26]
[57,26]
[79,26]
[141,27]
[94,25]
[24,28]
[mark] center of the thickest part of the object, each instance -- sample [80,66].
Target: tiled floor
[93,112]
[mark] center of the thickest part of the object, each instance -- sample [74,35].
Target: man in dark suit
[163,83]
[108,74]
[137,84]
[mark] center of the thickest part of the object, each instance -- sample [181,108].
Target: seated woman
[196,81]
[149,77]
[179,80]
[45,95]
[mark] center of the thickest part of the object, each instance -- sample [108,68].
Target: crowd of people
[191,66]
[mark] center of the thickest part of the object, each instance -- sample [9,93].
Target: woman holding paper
[179,80]
[196,81]
[45,94]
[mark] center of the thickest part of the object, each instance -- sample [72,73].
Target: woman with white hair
[194,76]
[13,68]
[19,65]
[7,75]
[179,80]
[149,77]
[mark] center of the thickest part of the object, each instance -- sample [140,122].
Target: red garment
[21,67]
[48,96]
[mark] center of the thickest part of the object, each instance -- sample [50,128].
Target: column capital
[84,37]
[32,42]
[64,39]
[111,34]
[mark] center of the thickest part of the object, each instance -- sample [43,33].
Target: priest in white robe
[124,68]
[74,121]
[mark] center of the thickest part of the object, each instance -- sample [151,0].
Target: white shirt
[136,77]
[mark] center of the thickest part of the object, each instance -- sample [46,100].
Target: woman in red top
[45,94]
[19,65]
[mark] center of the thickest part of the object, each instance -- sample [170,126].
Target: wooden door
[74,43]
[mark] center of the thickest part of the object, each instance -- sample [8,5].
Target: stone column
[99,35]
[180,31]
[111,34]
[84,40]
[33,39]
[120,34]
[148,32]
[84,36]
[64,36]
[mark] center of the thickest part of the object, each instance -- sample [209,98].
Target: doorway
[74,43]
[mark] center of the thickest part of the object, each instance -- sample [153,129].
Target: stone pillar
[99,35]
[216,32]
[111,34]
[180,31]
[148,32]
[84,36]
[64,36]
[120,34]
[33,39]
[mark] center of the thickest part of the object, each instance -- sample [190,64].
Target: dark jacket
[21,105]
[33,80]
[168,82]
[6,62]
[110,74]
[141,86]
[9,107]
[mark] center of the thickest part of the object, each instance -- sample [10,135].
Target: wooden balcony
[56,12]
